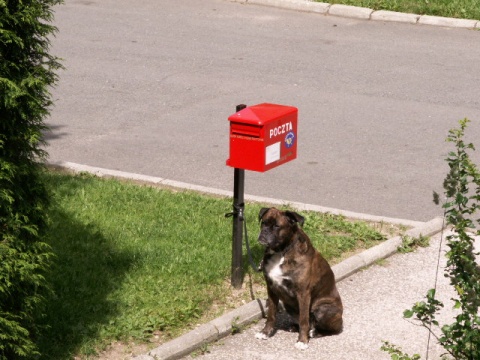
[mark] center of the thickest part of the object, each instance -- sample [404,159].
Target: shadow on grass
[87,269]
[256,253]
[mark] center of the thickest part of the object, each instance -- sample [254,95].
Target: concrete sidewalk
[374,301]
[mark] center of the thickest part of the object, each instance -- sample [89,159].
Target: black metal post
[238,210]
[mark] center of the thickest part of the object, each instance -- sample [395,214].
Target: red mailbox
[263,136]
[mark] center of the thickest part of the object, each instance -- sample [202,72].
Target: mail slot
[263,136]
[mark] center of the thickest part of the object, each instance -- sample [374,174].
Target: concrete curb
[383,15]
[299,5]
[384,250]
[349,11]
[210,332]
[255,310]
[448,22]
[365,13]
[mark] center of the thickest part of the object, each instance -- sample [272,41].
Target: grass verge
[135,262]
[462,9]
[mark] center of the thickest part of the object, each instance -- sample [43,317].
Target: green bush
[26,73]
[461,339]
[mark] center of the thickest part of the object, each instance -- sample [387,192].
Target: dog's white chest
[274,271]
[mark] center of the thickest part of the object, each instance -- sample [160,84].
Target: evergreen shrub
[27,72]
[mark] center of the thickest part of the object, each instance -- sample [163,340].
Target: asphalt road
[149,85]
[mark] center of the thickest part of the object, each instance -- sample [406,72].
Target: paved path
[148,88]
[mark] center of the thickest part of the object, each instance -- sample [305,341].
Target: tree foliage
[462,188]
[27,71]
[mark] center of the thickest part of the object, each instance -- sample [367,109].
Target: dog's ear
[294,217]
[262,212]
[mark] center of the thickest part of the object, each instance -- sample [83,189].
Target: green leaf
[431,294]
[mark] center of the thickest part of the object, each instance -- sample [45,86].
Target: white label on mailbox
[272,153]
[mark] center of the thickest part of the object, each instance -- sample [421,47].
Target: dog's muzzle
[263,240]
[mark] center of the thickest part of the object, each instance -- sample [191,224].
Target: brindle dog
[299,276]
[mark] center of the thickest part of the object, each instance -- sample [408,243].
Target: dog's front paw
[261,336]
[301,345]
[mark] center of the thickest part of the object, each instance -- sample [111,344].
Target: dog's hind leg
[327,317]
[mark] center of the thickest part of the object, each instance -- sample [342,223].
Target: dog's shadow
[285,322]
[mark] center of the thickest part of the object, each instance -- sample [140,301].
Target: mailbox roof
[262,113]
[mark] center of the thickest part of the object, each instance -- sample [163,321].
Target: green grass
[410,244]
[135,261]
[463,9]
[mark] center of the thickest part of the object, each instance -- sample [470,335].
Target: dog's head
[278,227]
